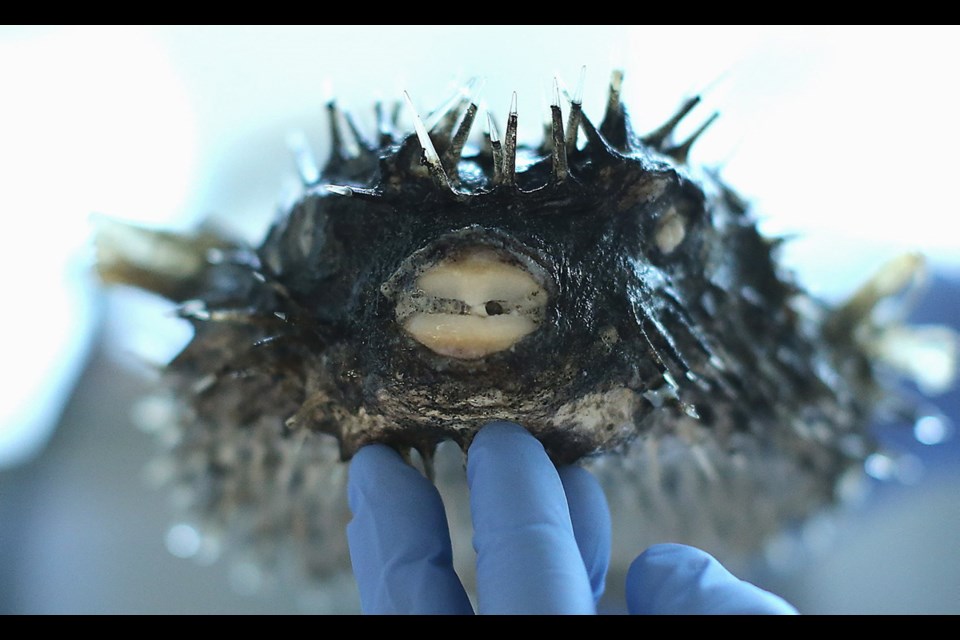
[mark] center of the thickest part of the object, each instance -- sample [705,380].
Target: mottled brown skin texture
[668,325]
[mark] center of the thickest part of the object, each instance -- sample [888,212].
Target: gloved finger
[527,556]
[677,579]
[590,517]
[399,541]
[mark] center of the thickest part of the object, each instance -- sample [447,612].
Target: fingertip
[372,467]
[527,555]
[590,516]
[502,435]
[502,426]
[679,579]
[398,538]
[583,488]
[502,453]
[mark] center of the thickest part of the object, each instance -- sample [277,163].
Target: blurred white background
[846,137]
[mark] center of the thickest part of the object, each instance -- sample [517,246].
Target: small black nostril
[493,308]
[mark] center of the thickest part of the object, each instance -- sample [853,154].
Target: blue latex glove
[542,537]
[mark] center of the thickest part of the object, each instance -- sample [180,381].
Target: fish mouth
[467,298]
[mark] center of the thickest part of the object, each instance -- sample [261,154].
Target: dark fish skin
[711,394]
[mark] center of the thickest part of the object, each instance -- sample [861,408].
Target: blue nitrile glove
[677,579]
[542,537]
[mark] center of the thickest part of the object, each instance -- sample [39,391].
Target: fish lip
[535,262]
[397,288]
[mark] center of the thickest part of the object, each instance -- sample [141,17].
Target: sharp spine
[344,147]
[340,191]
[306,162]
[496,149]
[352,192]
[384,126]
[395,110]
[429,151]
[593,136]
[559,151]
[657,138]
[510,145]
[445,119]
[363,145]
[614,123]
[451,157]
[682,151]
[573,118]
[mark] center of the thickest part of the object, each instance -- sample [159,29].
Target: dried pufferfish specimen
[619,304]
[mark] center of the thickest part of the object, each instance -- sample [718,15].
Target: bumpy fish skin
[668,350]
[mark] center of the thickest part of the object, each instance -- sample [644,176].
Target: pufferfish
[619,304]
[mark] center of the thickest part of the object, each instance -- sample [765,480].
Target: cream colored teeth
[502,303]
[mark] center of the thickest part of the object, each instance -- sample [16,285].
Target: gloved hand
[542,537]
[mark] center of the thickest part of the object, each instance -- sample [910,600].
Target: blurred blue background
[845,138]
